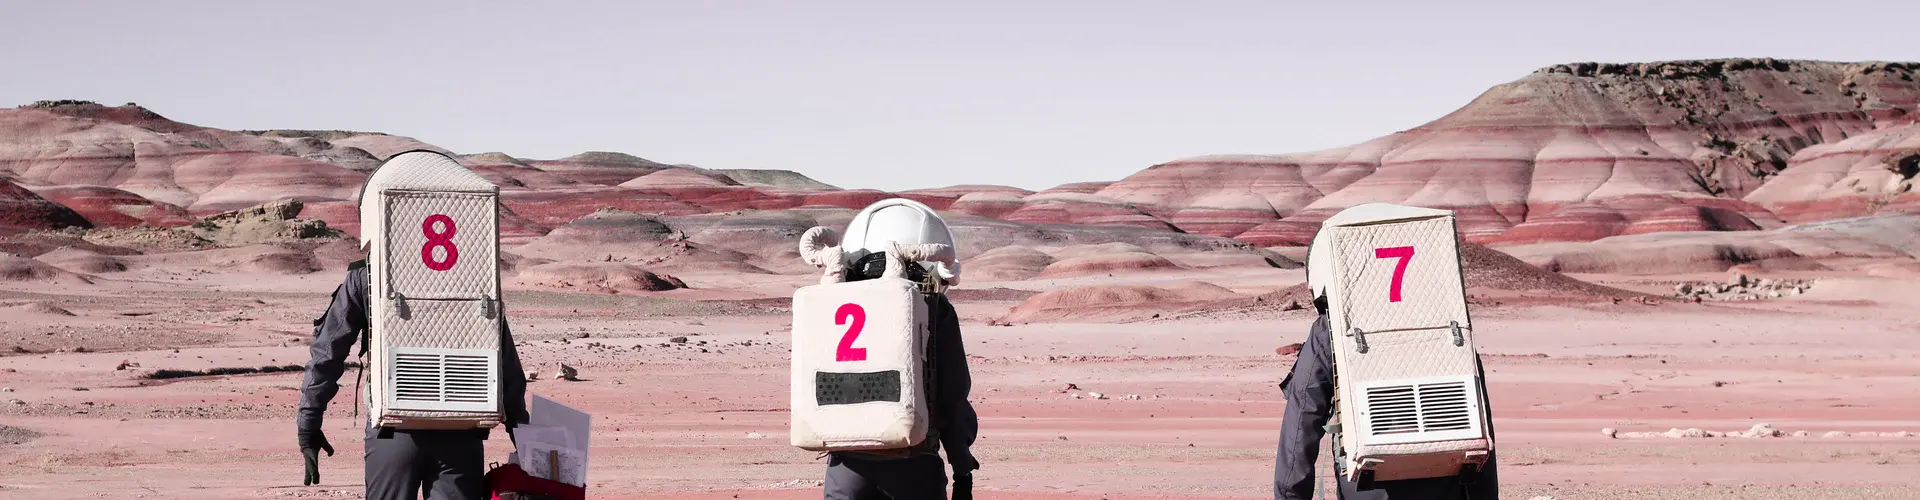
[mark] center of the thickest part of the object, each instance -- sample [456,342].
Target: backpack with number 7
[1409,401]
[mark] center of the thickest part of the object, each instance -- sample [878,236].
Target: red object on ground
[510,479]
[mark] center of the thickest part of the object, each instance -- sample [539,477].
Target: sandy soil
[706,419]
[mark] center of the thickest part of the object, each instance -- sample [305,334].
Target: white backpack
[1408,394]
[432,228]
[859,361]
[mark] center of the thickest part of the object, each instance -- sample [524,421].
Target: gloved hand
[963,486]
[311,442]
[963,464]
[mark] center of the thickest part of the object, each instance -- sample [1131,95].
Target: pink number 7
[1405,254]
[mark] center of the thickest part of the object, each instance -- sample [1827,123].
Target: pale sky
[882,94]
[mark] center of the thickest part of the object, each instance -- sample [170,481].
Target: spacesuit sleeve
[333,337]
[513,379]
[962,425]
[1309,393]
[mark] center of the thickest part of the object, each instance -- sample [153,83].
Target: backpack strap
[365,333]
[366,337]
[931,445]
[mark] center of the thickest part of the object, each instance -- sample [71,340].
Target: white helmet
[902,222]
[1319,265]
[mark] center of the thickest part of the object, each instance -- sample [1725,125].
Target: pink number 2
[847,352]
[1405,254]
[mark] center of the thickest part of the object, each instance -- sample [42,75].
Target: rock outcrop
[1107,263]
[1580,152]
[1816,246]
[22,210]
[1871,173]
[1078,208]
[603,168]
[274,222]
[1572,153]
[14,268]
[109,207]
[594,277]
[205,170]
[83,261]
[775,179]
[1007,263]
[1740,287]
[988,204]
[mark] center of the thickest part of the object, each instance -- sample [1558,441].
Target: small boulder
[1760,431]
[1610,433]
[567,373]
[1687,433]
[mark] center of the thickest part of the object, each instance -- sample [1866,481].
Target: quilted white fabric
[433,231]
[413,171]
[1394,291]
[864,327]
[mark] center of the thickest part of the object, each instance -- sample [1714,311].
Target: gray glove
[311,442]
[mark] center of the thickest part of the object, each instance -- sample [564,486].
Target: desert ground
[706,418]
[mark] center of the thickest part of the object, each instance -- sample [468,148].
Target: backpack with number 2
[858,359]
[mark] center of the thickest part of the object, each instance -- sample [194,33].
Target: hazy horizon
[871,94]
